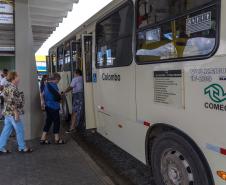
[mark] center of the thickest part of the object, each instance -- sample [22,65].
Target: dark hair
[5,71]
[45,77]
[55,76]
[78,72]
[12,76]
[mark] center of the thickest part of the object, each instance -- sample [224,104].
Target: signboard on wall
[6,19]
[6,11]
[6,7]
[7,41]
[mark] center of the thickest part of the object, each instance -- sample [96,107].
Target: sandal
[5,152]
[59,142]
[45,142]
[70,131]
[28,150]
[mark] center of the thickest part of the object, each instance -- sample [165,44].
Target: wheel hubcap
[175,169]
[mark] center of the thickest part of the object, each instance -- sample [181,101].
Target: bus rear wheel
[174,161]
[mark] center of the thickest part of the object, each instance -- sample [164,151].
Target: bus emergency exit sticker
[94,77]
[198,23]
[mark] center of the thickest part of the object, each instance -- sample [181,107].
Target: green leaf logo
[216,93]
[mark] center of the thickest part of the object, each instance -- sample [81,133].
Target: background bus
[154,84]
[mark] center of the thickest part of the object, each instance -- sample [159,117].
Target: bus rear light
[146,123]
[223,151]
[217,149]
[222,175]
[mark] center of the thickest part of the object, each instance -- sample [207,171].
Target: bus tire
[175,161]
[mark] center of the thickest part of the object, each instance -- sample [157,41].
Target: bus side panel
[64,84]
[195,118]
[116,110]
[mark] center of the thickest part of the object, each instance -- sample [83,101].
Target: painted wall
[7,62]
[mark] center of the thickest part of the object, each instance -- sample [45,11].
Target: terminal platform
[51,165]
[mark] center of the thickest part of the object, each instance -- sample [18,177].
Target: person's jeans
[52,116]
[9,124]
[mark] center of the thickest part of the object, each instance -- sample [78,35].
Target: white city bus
[155,83]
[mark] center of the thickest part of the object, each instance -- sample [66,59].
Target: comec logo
[216,93]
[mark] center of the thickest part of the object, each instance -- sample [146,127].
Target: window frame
[184,59]
[67,66]
[61,47]
[89,39]
[52,52]
[131,4]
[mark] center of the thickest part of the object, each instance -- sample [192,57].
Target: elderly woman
[51,104]
[13,112]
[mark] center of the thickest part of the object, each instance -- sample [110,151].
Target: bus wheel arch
[160,128]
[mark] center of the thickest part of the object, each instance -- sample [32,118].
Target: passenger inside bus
[77,88]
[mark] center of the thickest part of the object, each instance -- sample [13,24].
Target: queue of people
[51,98]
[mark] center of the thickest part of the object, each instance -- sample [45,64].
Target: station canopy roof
[46,16]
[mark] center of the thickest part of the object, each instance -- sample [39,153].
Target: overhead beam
[53,1]
[51,6]
[40,23]
[48,12]
[46,17]
[47,20]
[42,29]
[7,42]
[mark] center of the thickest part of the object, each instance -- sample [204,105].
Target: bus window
[60,59]
[114,38]
[154,11]
[54,63]
[48,63]
[88,57]
[190,35]
[76,55]
[67,58]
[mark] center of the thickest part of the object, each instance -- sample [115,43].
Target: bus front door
[87,53]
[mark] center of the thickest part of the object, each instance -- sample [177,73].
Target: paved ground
[122,167]
[51,165]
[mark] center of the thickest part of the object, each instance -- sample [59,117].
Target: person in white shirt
[3,79]
[1,98]
[77,117]
[1,75]
[3,83]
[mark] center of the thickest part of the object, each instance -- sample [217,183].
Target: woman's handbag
[56,95]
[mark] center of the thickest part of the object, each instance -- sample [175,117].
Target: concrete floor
[51,165]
